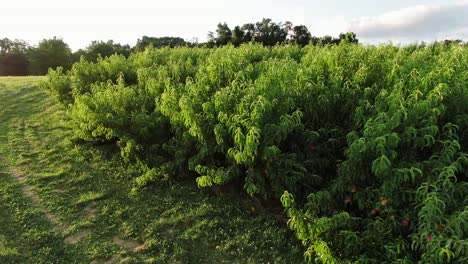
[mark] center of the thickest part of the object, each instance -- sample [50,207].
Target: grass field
[62,201]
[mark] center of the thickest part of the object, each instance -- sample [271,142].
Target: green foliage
[366,145]
[86,188]
[122,114]
[402,185]
[85,73]
[59,84]
[88,197]
[66,86]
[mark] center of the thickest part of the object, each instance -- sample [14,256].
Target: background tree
[448,42]
[103,49]
[349,37]
[50,53]
[211,40]
[237,36]
[12,46]
[172,42]
[300,35]
[328,40]
[249,32]
[99,48]
[223,34]
[125,50]
[14,64]
[269,33]
[76,56]
[5,45]
[13,59]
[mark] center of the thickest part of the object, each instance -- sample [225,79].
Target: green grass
[85,207]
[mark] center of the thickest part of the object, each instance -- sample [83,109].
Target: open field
[64,202]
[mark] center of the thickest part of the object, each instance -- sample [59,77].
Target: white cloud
[416,23]
[330,26]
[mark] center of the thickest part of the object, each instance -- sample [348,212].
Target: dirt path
[88,213]
[29,192]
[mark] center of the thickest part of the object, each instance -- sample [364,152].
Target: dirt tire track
[29,192]
[126,244]
[75,238]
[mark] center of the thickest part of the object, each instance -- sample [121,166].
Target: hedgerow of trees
[19,58]
[13,57]
[270,33]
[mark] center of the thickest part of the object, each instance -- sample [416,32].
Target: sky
[124,21]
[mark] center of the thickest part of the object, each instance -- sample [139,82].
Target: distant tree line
[17,57]
[13,57]
[270,33]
